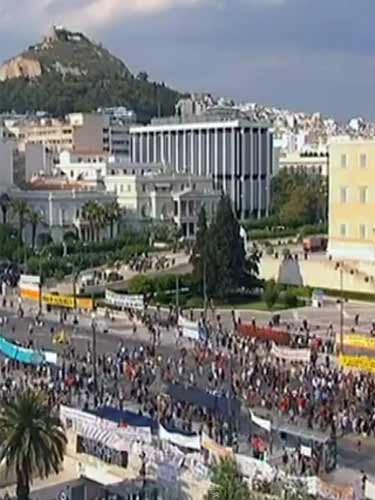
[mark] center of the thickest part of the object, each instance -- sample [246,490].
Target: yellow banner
[358,340]
[363,363]
[56,300]
[215,448]
[66,301]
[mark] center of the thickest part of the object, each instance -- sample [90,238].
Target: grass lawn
[236,302]
[257,305]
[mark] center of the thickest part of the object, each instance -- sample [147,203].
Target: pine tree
[219,248]
[200,249]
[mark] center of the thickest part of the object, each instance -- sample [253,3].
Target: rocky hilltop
[66,71]
[20,67]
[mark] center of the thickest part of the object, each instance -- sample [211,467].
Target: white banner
[298,355]
[188,333]
[250,467]
[192,442]
[306,451]
[370,490]
[29,279]
[185,323]
[125,301]
[51,357]
[131,433]
[77,417]
[261,422]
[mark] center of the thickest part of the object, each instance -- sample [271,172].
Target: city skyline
[298,54]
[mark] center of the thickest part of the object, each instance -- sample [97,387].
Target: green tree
[21,209]
[299,198]
[34,218]
[92,213]
[271,293]
[4,206]
[113,214]
[200,249]
[222,255]
[32,439]
[227,483]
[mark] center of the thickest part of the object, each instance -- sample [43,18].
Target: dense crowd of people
[317,395]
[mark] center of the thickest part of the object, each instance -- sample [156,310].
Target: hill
[68,72]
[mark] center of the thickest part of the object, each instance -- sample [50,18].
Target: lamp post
[204,286]
[341,309]
[93,327]
[41,279]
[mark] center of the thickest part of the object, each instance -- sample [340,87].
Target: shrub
[141,284]
[271,293]
[290,298]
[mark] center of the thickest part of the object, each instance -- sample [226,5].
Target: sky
[305,55]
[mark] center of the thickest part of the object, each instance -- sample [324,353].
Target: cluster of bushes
[10,246]
[274,294]
[287,232]
[85,255]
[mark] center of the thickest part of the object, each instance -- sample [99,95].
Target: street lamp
[41,279]
[340,267]
[93,327]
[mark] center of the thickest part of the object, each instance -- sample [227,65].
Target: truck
[315,244]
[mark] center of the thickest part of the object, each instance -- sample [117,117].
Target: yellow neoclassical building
[352,199]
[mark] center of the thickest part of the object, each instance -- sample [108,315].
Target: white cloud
[82,14]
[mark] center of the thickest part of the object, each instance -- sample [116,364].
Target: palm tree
[20,208]
[32,439]
[113,214]
[4,205]
[227,483]
[91,213]
[34,218]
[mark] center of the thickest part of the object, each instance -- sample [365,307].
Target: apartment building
[236,154]
[312,163]
[352,199]
[101,132]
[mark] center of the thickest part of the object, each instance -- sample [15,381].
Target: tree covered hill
[67,72]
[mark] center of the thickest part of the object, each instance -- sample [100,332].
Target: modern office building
[352,199]
[236,154]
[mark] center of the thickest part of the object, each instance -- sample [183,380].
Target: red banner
[263,333]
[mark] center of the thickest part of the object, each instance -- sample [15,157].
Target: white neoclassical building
[151,193]
[60,205]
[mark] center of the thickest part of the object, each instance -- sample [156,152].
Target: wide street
[122,331]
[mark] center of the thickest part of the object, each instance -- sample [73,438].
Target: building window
[362,231]
[363,194]
[176,208]
[129,188]
[344,161]
[183,208]
[191,228]
[343,230]
[121,188]
[363,160]
[343,194]
[191,208]
[144,188]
